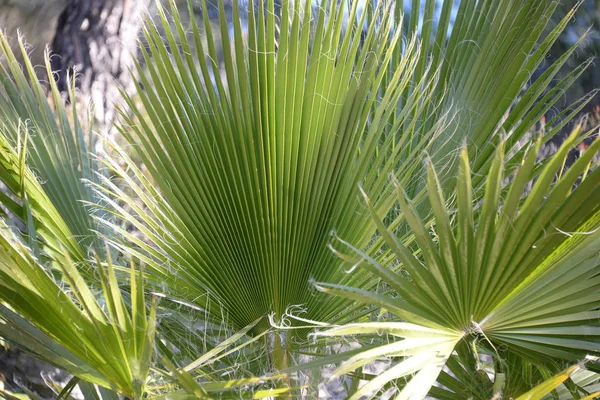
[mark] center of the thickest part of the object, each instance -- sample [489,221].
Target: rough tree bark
[97,39]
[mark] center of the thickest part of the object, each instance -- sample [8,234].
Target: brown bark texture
[97,40]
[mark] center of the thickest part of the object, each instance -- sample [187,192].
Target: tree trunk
[97,39]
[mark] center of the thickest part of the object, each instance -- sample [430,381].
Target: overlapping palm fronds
[58,302]
[253,154]
[112,348]
[52,140]
[254,169]
[254,157]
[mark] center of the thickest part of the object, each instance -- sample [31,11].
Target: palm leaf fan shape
[255,165]
[515,277]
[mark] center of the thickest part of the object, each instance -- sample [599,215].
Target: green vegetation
[203,268]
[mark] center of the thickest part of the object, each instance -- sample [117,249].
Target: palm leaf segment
[516,276]
[52,141]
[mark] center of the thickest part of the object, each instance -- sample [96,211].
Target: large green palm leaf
[256,169]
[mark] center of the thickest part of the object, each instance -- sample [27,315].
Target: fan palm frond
[516,276]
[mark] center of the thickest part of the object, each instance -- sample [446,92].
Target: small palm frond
[516,276]
[575,372]
[26,200]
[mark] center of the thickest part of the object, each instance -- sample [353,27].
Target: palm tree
[241,162]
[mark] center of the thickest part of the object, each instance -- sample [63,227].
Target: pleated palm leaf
[57,301]
[248,175]
[515,278]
